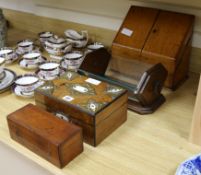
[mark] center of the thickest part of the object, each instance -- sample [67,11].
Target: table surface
[151,144]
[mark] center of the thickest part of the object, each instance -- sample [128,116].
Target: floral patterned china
[44,36]
[79,40]
[25,46]
[23,63]
[57,47]
[8,54]
[72,60]
[26,84]
[192,166]
[48,70]
[8,80]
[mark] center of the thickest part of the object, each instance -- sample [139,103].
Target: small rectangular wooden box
[95,108]
[156,36]
[48,136]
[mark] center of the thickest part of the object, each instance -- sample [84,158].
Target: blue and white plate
[191,166]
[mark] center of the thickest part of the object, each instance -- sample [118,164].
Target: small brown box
[157,36]
[92,107]
[46,135]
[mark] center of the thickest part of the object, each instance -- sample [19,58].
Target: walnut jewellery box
[98,107]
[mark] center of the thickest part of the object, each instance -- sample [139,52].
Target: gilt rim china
[45,34]
[6,51]
[18,91]
[31,55]
[8,80]
[25,43]
[75,55]
[26,80]
[24,64]
[22,51]
[43,77]
[49,66]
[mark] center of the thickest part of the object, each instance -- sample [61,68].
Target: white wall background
[103,13]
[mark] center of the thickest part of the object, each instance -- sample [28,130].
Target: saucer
[18,92]
[24,65]
[8,80]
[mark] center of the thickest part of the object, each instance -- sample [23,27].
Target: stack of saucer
[31,60]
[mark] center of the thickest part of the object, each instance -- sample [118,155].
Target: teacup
[93,47]
[73,60]
[44,36]
[8,54]
[49,70]
[32,58]
[25,46]
[27,83]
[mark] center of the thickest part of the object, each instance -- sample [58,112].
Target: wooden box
[48,136]
[157,36]
[98,107]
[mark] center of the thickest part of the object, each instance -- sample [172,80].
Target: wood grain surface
[155,144]
[46,135]
[97,125]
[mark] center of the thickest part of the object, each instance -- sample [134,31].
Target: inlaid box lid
[84,93]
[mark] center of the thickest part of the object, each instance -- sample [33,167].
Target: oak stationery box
[98,107]
[157,36]
[43,133]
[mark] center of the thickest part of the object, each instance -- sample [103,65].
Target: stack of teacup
[57,47]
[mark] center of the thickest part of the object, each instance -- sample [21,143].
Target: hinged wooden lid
[43,123]
[169,36]
[80,94]
[136,28]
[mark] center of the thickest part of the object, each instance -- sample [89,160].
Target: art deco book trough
[143,81]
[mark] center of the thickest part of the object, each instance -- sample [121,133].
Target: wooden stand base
[136,107]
